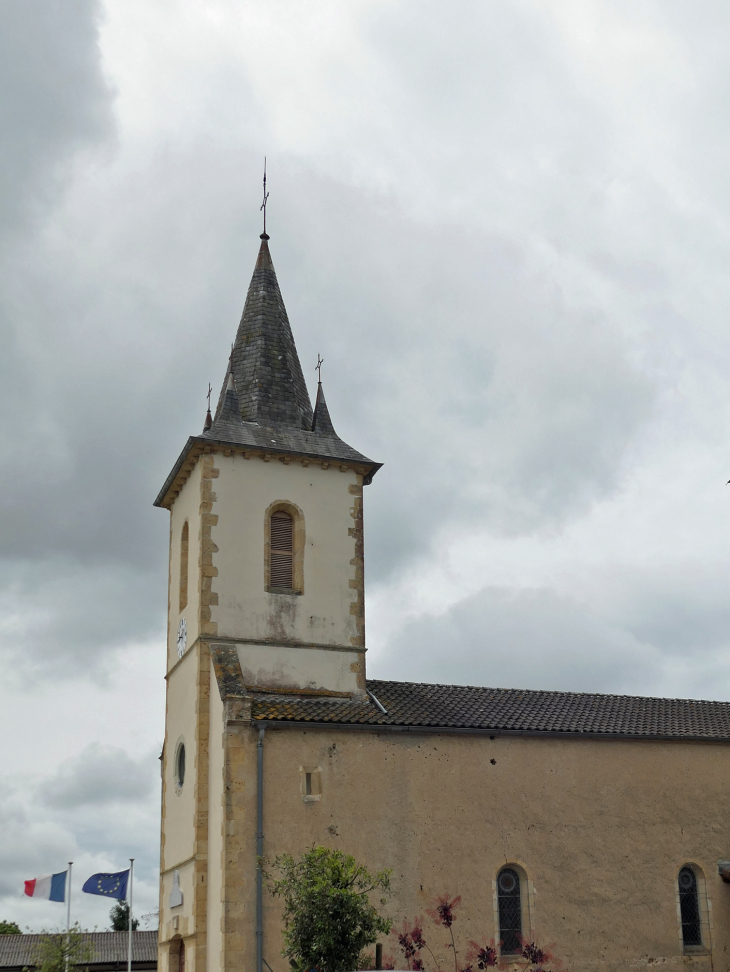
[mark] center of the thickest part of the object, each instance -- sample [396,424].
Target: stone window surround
[705,906]
[527,903]
[299,538]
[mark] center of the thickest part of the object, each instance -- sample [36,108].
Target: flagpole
[131,887]
[68,910]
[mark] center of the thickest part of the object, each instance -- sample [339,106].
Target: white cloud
[99,775]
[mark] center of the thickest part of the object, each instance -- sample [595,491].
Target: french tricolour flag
[49,887]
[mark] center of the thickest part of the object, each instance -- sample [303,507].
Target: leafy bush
[328,916]
[56,951]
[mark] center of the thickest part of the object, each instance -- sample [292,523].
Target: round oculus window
[180,765]
[686,879]
[508,881]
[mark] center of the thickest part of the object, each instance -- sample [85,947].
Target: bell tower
[266,576]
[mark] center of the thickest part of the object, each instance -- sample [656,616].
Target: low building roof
[416,705]
[109,950]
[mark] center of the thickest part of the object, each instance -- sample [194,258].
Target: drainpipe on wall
[260,851]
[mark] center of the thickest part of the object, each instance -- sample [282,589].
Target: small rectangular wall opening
[310,783]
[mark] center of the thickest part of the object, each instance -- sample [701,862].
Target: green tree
[9,928]
[328,916]
[57,951]
[120,917]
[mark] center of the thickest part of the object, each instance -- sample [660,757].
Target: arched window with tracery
[184,566]
[509,899]
[689,906]
[281,563]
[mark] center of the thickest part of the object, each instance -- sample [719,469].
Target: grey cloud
[521,418]
[100,775]
[61,618]
[25,846]
[487,397]
[658,631]
[520,639]
[54,99]
[680,607]
[502,395]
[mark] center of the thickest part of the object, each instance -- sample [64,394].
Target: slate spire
[230,408]
[264,371]
[322,422]
[264,404]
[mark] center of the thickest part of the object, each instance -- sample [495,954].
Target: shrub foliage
[328,915]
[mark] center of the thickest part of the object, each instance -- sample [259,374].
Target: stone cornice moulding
[196,447]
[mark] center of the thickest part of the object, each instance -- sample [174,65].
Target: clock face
[182,637]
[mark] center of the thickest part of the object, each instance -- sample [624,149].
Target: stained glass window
[689,908]
[510,911]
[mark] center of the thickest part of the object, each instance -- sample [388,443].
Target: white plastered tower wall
[181,850]
[310,640]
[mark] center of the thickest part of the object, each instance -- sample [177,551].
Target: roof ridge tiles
[553,692]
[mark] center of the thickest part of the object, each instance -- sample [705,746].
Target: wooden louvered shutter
[282,550]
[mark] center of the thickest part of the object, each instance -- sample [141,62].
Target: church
[596,824]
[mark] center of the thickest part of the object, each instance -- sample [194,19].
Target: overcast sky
[505,225]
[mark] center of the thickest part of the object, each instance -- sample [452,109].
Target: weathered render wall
[185,828]
[601,829]
[216,829]
[328,610]
[184,831]
[179,805]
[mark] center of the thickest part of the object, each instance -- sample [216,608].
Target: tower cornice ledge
[198,445]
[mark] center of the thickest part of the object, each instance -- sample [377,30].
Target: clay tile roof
[415,704]
[110,948]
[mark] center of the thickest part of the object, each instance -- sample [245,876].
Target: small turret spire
[208,416]
[321,421]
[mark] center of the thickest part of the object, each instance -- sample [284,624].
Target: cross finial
[262,208]
[209,391]
[318,368]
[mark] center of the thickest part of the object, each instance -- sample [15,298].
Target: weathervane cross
[318,368]
[262,208]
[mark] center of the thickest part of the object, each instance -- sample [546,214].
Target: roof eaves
[267,721]
[162,495]
[207,440]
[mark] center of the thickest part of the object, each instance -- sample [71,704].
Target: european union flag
[111,885]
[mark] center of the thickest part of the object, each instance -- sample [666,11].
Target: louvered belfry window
[510,911]
[689,907]
[281,565]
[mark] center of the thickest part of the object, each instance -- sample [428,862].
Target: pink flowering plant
[478,956]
